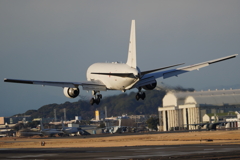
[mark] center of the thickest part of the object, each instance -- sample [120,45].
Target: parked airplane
[211,125]
[120,76]
[50,132]
[71,130]
[116,129]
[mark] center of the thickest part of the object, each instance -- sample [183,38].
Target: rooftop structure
[210,97]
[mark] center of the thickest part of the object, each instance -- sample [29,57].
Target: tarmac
[140,146]
[198,152]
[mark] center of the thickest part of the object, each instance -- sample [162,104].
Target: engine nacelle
[71,92]
[150,86]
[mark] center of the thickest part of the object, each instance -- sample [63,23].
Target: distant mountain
[116,105]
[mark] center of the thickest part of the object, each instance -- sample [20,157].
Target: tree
[116,105]
[18,126]
[152,123]
[33,124]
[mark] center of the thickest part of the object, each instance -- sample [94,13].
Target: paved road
[137,152]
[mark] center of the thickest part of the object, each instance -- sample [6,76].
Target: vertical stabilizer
[41,125]
[132,58]
[62,124]
[120,122]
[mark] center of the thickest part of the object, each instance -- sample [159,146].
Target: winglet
[132,58]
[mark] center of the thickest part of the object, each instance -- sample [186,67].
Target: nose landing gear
[96,99]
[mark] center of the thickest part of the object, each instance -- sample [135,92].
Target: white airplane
[120,76]
[71,130]
[117,129]
[49,132]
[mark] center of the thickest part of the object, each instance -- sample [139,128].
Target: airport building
[14,120]
[187,110]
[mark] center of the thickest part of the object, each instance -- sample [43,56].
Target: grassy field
[204,137]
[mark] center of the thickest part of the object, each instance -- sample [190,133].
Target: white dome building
[182,110]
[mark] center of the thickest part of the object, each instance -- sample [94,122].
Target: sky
[58,40]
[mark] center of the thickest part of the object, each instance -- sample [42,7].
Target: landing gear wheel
[99,96]
[137,96]
[97,101]
[140,96]
[92,101]
[143,96]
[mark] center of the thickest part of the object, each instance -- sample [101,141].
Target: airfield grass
[183,138]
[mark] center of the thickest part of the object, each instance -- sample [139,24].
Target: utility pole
[106,122]
[65,116]
[105,111]
[55,115]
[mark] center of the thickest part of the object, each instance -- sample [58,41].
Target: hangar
[185,110]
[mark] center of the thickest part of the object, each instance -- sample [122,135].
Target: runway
[137,152]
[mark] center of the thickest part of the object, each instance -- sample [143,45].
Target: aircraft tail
[62,125]
[41,125]
[132,58]
[120,122]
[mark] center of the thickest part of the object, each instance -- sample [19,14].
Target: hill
[116,105]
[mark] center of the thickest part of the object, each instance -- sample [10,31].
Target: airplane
[71,130]
[120,76]
[210,126]
[50,132]
[116,129]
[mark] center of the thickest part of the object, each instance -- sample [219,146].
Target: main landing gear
[96,99]
[140,94]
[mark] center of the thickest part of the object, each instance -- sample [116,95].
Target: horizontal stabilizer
[130,75]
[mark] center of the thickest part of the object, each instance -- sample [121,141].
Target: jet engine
[150,86]
[71,92]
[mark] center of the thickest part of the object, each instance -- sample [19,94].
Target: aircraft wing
[89,85]
[131,75]
[175,72]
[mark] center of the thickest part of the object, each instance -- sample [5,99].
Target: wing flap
[184,70]
[94,87]
[145,81]
[194,67]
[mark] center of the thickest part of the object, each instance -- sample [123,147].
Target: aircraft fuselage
[112,82]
